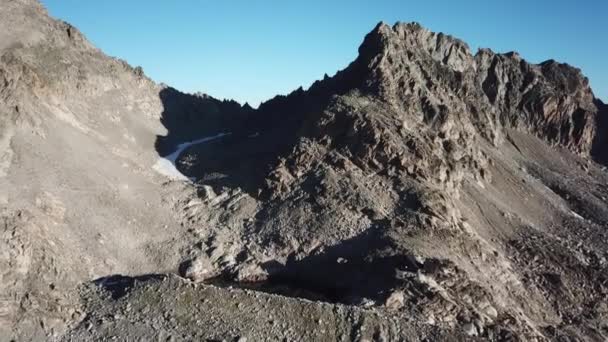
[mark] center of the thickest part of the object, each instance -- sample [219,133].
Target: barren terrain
[423,193]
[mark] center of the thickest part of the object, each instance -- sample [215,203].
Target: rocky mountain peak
[428,87]
[409,65]
[386,49]
[413,38]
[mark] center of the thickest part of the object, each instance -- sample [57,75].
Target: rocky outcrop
[552,100]
[434,86]
[405,179]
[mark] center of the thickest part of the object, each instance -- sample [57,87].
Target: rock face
[78,197]
[429,172]
[423,193]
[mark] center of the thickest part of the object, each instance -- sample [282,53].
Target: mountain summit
[431,172]
[422,193]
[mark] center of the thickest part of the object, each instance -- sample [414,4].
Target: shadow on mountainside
[599,150]
[257,136]
[118,285]
[255,140]
[228,161]
[189,117]
[362,267]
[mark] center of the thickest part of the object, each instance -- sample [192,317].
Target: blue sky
[251,50]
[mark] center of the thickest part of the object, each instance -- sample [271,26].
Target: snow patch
[575,214]
[166,165]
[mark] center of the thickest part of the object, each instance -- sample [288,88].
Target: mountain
[422,193]
[79,198]
[465,183]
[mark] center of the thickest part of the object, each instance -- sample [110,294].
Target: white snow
[166,165]
[575,214]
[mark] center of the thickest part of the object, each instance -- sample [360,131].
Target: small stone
[366,302]
[470,329]
[207,193]
[420,259]
[395,301]
[199,269]
[251,273]
[491,312]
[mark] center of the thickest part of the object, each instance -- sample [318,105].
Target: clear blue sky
[251,50]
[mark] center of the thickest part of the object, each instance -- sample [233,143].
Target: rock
[470,329]
[366,302]
[395,301]
[207,193]
[198,269]
[491,312]
[479,325]
[251,273]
